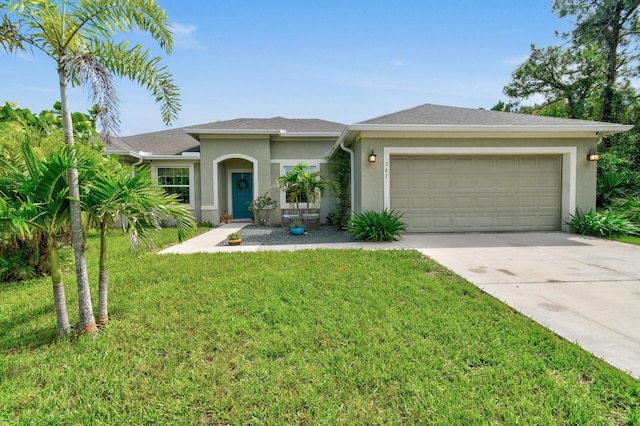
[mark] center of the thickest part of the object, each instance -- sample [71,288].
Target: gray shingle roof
[165,142]
[176,141]
[429,114]
[292,125]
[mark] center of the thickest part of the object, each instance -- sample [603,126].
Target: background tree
[613,25]
[565,77]
[80,37]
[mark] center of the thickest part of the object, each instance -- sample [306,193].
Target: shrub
[629,208]
[617,178]
[340,169]
[374,226]
[602,224]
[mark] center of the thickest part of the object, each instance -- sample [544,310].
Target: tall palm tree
[121,194]
[79,36]
[38,191]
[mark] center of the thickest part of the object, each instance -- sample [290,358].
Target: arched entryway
[236,186]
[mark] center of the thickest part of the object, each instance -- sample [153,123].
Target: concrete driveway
[586,290]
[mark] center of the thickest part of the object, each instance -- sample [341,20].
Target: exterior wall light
[372,157]
[593,155]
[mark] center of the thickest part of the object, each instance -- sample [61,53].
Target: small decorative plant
[226,218]
[374,226]
[234,239]
[296,227]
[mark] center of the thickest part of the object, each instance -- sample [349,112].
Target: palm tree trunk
[103,278]
[62,318]
[87,320]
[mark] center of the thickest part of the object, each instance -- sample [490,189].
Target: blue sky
[343,61]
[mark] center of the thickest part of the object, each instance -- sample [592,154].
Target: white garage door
[477,193]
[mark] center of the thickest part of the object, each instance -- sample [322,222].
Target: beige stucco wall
[370,178]
[266,154]
[223,152]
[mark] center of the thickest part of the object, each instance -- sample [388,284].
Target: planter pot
[297,231]
[234,242]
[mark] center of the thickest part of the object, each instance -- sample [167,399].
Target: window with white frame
[175,180]
[302,198]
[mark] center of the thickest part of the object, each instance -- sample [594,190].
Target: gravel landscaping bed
[255,235]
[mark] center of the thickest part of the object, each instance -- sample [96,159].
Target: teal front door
[241,193]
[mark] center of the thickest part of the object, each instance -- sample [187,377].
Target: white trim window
[176,180]
[285,167]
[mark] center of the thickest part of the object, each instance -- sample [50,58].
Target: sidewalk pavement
[208,243]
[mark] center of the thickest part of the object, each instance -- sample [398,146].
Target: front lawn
[320,337]
[629,240]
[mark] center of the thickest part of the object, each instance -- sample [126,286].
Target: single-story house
[448,169]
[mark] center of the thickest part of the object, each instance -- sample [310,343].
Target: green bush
[374,226]
[14,268]
[602,224]
[617,178]
[628,207]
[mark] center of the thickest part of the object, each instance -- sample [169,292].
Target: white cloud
[398,63]
[184,36]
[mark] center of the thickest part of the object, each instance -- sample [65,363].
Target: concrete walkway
[208,243]
[586,290]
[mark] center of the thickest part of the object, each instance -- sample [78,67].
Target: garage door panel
[458,194]
[464,183]
[421,203]
[549,202]
[400,183]
[442,203]
[438,164]
[548,164]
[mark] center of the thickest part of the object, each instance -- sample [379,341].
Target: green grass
[629,240]
[321,337]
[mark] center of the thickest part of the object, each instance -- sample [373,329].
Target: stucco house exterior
[448,169]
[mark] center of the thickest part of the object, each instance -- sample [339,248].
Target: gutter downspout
[352,183]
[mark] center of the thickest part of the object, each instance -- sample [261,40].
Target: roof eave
[601,128]
[122,152]
[595,129]
[172,157]
[232,131]
[310,134]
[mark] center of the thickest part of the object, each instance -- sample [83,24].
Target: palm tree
[121,194]
[39,190]
[79,37]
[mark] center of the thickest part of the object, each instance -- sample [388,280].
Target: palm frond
[137,65]
[98,82]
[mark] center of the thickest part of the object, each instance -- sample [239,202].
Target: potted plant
[296,228]
[226,218]
[234,238]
